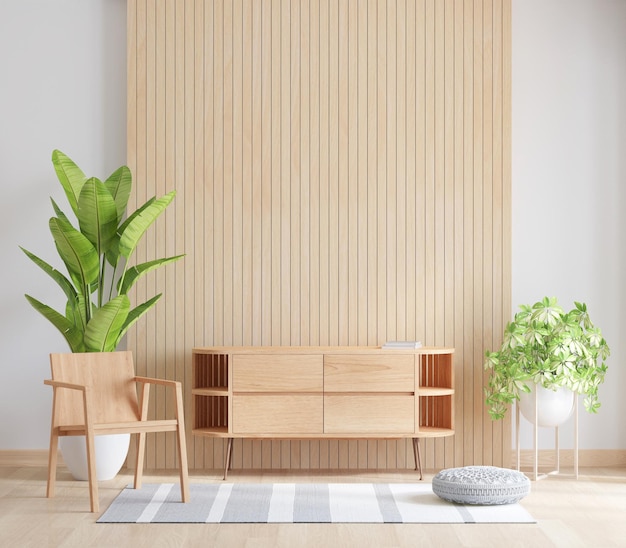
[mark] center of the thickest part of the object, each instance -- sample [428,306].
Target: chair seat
[121,427]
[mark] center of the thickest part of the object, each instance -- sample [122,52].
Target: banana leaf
[73,336]
[97,214]
[80,257]
[55,274]
[74,316]
[119,184]
[70,176]
[59,213]
[113,253]
[102,331]
[79,310]
[136,313]
[135,272]
[140,223]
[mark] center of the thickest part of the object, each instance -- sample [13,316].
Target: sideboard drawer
[278,414]
[369,414]
[369,373]
[278,373]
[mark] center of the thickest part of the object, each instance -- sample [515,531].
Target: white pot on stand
[554,407]
[111,452]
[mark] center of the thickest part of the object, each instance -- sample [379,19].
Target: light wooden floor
[588,512]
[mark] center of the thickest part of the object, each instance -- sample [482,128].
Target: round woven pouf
[481,485]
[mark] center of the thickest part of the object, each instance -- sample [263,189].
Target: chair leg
[182,460]
[141,450]
[182,445]
[91,467]
[52,462]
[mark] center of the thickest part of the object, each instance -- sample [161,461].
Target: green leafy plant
[545,345]
[96,254]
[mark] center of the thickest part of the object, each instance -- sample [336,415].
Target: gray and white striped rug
[301,503]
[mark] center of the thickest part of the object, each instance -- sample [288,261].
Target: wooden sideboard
[313,392]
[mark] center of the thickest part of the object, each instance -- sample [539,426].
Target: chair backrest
[110,374]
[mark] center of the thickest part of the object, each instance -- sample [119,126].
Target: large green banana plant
[96,254]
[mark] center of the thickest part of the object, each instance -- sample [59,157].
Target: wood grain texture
[343,177]
[368,414]
[30,519]
[355,373]
[277,373]
[278,414]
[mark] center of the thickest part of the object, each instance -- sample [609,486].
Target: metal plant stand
[557,469]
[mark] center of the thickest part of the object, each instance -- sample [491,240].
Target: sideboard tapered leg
[416,454]
[229,455]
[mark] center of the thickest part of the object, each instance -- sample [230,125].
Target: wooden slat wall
[343,177]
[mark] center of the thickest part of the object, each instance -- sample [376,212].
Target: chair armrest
[60,384]
[162,382]
[145,394]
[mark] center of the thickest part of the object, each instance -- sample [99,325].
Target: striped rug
[301,503]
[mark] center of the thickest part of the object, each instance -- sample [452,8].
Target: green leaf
[119,184]
[59,213]
[97,214]
[135,272]
[76,314]
[102,331]
[82,310]
[113,253]
[136,313]
[70,176]
[72,335]
[77,252]
[139,224]
[595,337]
[135,214]
[547,311]
[58,277]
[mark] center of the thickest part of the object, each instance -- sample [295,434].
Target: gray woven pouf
[481,485]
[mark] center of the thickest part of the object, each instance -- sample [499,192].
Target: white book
[402,344]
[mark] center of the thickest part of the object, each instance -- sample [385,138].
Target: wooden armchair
[96,393]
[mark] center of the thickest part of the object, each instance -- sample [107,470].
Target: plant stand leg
[517,436]
[557,450]
[576,435]
[536,438]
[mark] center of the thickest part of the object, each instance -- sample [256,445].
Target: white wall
[63,86]
[569,176]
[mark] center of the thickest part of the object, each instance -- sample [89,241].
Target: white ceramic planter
[111,452]
[553,407]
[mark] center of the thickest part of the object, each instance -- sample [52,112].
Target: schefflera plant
[549,347]
[96,254]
